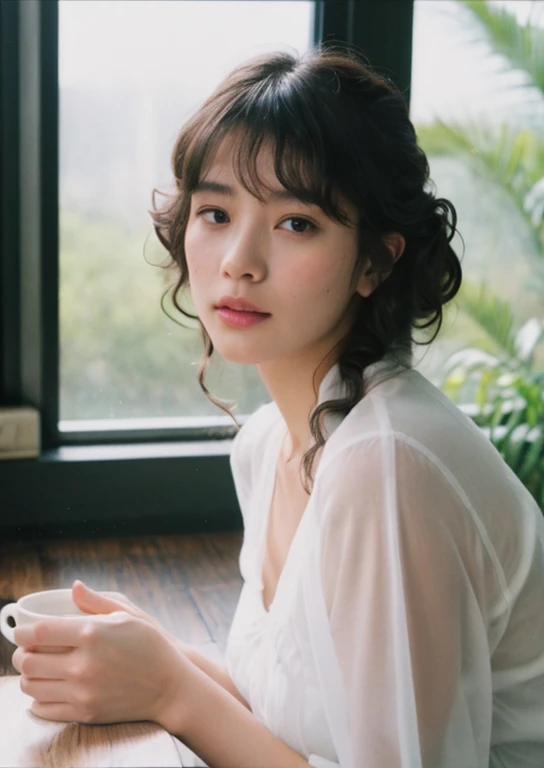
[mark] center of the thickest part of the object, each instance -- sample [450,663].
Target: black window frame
[113,483]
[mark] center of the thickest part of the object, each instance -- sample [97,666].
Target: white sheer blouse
[407,629]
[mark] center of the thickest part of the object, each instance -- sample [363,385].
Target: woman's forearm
[217,672]
[222,732]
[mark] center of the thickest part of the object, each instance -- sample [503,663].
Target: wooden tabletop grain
[190,583]
[27,741]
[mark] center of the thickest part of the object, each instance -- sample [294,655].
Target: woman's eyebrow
[225,189]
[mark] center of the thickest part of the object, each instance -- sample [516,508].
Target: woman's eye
[298,220]
[213,211]
[300,225]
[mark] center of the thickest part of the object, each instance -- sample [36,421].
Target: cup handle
[9,611]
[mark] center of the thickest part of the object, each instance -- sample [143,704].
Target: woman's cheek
[191,248]
[193,271]
[196,261]
[302,279]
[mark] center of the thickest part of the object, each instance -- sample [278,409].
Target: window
[121,357]
[171,473]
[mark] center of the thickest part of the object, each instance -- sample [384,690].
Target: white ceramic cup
[36,606]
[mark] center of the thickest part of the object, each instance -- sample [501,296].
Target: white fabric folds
[407,630]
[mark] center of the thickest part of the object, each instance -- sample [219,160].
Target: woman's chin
[242,353]
[243,357]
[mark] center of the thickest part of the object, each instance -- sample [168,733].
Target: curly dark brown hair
[336,127]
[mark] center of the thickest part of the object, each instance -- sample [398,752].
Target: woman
[392,608]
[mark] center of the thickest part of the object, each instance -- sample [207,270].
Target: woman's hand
[101,668]
[107,602]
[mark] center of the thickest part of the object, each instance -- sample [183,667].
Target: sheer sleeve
[401,607]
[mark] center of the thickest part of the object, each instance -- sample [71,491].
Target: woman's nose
[244,255]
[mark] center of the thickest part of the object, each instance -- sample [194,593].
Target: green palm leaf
[491,313]
[510,158]
[522,46]
[532,458]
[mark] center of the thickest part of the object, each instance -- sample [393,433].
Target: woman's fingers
[109,602]
[63,630]
[43,632]
[118,668]
[120,597]
[58,712]
[46,691]
[52,666]
[54,700]
[17,657]
[91,601]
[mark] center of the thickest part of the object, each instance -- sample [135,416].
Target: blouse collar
[332,387]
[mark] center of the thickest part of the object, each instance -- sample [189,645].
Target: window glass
[477,102]
[130,73]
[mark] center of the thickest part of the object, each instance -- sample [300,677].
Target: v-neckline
[269,496]
[272,458]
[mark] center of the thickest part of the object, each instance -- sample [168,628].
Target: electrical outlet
[19,433]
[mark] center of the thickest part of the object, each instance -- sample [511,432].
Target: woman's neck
[292,389]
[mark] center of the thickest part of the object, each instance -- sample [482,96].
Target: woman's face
[286,257]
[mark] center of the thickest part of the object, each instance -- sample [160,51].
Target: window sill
[127,451]
[148,488]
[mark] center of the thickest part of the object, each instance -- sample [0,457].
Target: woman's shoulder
[408,415]
[407,445]
[410,410]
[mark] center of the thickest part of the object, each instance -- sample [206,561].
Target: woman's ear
[368,283]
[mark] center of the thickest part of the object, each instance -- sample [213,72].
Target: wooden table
[27,741]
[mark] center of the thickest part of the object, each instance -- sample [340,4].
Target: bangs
[303,158]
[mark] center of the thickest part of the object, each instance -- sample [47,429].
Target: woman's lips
[240,319]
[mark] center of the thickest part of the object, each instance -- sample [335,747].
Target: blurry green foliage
[121,356]
[502,374]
